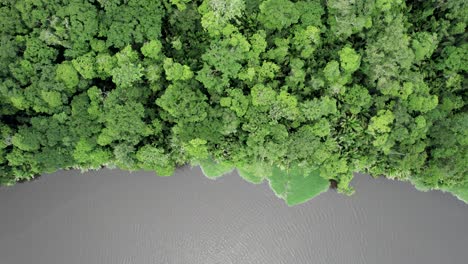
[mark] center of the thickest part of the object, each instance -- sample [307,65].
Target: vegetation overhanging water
[299,93]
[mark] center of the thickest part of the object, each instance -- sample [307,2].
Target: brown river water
[117,217]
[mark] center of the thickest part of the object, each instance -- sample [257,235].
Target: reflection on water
[121,217]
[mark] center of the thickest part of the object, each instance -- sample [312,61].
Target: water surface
[114,217]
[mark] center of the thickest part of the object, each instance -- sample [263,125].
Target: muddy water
[117,217]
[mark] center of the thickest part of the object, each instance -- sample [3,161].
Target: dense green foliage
[298,93]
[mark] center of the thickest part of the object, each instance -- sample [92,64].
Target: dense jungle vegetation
[297,93]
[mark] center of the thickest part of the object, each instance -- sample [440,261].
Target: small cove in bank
[113,216]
